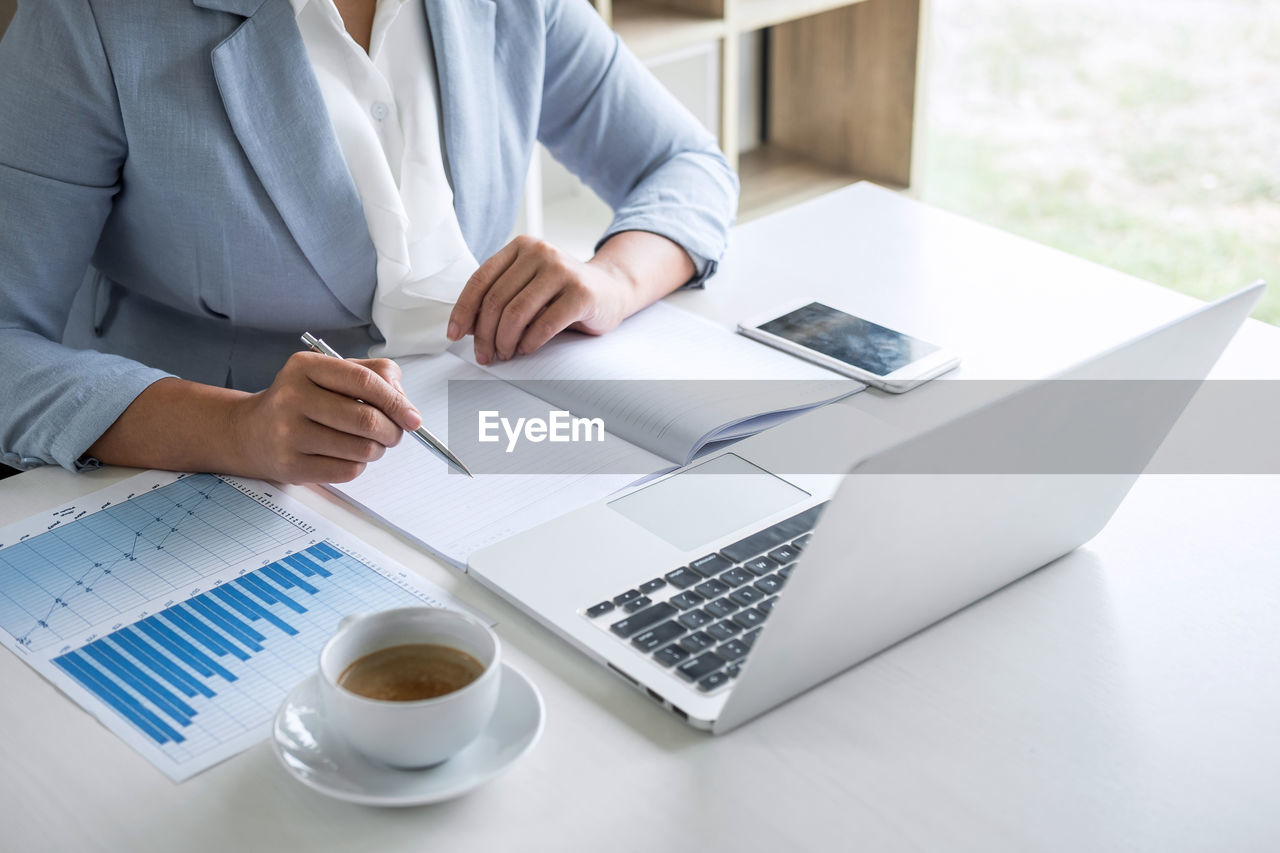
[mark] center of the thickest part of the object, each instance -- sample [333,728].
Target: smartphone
[887,359]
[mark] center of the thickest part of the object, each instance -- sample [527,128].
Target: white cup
[422,732]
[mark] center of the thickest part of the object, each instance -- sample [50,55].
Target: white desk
[1126,697]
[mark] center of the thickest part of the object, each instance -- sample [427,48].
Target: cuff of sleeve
[90,418]
[704,268]
[704,263]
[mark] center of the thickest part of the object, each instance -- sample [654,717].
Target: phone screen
[850,339]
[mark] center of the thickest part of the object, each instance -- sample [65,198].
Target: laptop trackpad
[708,501]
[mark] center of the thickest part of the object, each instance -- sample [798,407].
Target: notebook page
[452,515]
[663,343]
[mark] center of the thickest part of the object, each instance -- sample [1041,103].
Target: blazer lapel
[279,116]
[462,37]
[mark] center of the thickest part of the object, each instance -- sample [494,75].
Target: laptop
[728,587]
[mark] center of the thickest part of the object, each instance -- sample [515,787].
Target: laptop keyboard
[701,620]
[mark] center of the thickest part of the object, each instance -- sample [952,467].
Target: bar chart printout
[181,609]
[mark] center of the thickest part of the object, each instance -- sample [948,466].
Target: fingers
[465,311]
[512,282]
[563,312]
[511,290]
[322,469]
[324,419]
[318,440]
[353,418]
[521,310]
[384,367]
[358,382]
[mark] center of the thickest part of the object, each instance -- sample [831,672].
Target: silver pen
[423,434]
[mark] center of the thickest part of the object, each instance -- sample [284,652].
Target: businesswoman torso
[175,204]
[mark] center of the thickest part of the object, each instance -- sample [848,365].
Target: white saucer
[321,759]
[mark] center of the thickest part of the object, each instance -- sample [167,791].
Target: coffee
[410,672]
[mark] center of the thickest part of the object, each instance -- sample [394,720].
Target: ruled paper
[452,515]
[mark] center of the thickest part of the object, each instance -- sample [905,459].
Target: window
[1144,135]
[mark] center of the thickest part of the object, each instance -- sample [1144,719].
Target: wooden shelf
[840,88]
[651,30]
[749,15]
[774,178]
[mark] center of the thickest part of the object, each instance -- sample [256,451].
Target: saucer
[321,759]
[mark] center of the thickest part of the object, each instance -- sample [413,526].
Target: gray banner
[956,426]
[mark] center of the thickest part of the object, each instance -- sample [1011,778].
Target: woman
[187,185]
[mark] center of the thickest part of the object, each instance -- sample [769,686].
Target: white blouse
[385,113]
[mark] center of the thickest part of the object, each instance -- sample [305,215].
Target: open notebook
[656,423]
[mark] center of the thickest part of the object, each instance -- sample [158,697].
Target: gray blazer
[173,200]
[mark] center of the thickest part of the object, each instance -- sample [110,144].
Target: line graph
[111,561]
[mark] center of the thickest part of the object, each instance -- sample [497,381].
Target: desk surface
[1124,697]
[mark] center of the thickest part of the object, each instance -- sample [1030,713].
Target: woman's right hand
[310,426]
[323,419]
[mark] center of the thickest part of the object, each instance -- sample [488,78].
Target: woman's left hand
[530,291]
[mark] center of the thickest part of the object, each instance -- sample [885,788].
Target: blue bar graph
[183,650]
[248,608]
[158,664]
[158,672]
[307,567]
[117,698]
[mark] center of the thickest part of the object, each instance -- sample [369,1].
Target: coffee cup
[374,670]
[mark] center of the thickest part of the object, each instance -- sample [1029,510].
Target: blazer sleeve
[618,129]
[62,146]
